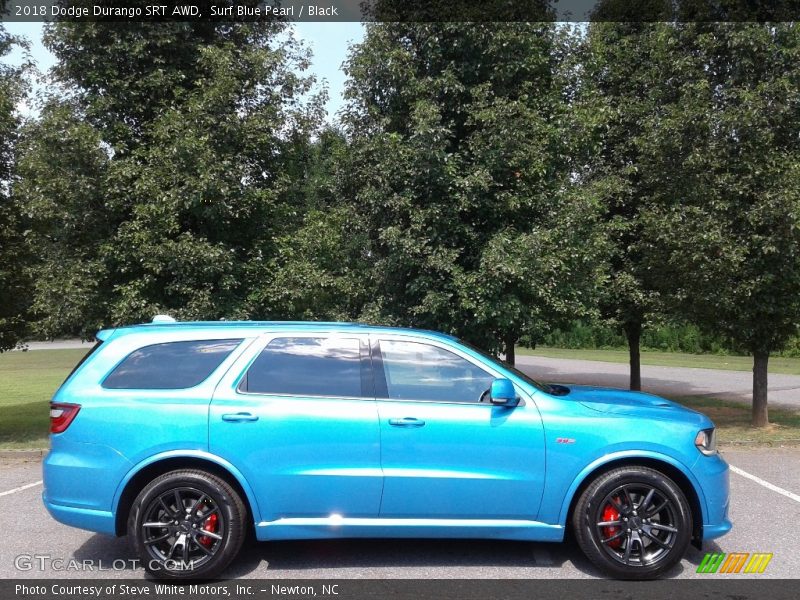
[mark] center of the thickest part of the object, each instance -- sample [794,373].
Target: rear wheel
[187,524]
[633,523]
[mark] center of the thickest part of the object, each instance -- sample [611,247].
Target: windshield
[542,387]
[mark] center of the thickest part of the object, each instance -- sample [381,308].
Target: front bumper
[713,475]
[712,532]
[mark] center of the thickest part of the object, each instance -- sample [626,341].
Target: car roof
[257,327]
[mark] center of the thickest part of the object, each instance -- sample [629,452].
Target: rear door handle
[407,422]
[240,417]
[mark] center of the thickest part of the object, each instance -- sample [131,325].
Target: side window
[301,366]
[169,366]
[418,371]
[86,356]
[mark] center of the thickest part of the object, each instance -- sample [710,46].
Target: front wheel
[633,523]
[187,524]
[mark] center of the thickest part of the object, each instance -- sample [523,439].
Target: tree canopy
[726,228]
[460,163]
[185,150]
[492,180]
[13,254]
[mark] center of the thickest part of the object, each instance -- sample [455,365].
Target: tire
[187,524]
[646,523]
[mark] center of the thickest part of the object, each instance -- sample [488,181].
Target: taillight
[61,415]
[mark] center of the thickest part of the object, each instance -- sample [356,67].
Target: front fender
[197,454]
[592,467]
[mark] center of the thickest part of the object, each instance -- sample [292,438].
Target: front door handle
[407,422]
[240,417]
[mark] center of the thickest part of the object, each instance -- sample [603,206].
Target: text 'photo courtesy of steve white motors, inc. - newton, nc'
[161,590]
[266,11]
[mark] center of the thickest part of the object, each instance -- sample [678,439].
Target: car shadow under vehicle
[412,554]
[108,553]
[265,559]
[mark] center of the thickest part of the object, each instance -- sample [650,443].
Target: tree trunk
[633,331]
[510,341]
[760,414]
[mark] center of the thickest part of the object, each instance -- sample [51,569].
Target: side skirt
[347,527]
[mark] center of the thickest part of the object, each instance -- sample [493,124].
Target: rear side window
[170,366]
[86,356]
[301,366]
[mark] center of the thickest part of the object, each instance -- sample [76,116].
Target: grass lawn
[27,382]
[777,364]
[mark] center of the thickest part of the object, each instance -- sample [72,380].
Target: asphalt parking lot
[765,510]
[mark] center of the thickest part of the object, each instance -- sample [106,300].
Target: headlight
[706,441]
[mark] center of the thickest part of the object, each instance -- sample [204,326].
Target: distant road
[59,345]
[675,381]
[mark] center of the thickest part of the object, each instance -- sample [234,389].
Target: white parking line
[766,484]
[20,488]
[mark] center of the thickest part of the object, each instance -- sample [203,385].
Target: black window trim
[382,388]
[367,371]
[238,345]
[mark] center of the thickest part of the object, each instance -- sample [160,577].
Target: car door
[446,454]
[297,416]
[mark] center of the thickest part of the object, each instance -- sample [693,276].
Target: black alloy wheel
[633,523]
[187,524]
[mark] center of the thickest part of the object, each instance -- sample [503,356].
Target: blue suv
[187,436]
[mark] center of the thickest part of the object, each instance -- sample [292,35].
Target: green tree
[62,197]
[194,135]
[725,230]
[460,164]
[13,257]
[622,91]
[320,270]
[125,76]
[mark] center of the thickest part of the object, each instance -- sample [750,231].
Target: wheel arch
[663,464]
[148,470]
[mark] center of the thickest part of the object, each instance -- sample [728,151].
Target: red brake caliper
[210,524]
[611,514]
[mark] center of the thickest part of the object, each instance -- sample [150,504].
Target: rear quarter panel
[116,429]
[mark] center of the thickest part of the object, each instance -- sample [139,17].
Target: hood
[623,402]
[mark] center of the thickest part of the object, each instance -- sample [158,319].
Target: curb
[35,453]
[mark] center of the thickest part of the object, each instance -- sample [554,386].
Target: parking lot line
[766,484]
[20,488]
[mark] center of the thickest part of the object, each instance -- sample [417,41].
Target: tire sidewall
[230,510]
[588,507]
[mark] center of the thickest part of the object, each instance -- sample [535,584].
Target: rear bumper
[100,521]
[80,481]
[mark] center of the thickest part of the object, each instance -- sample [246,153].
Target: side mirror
[503,393]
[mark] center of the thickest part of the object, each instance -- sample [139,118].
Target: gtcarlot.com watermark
[46,562]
